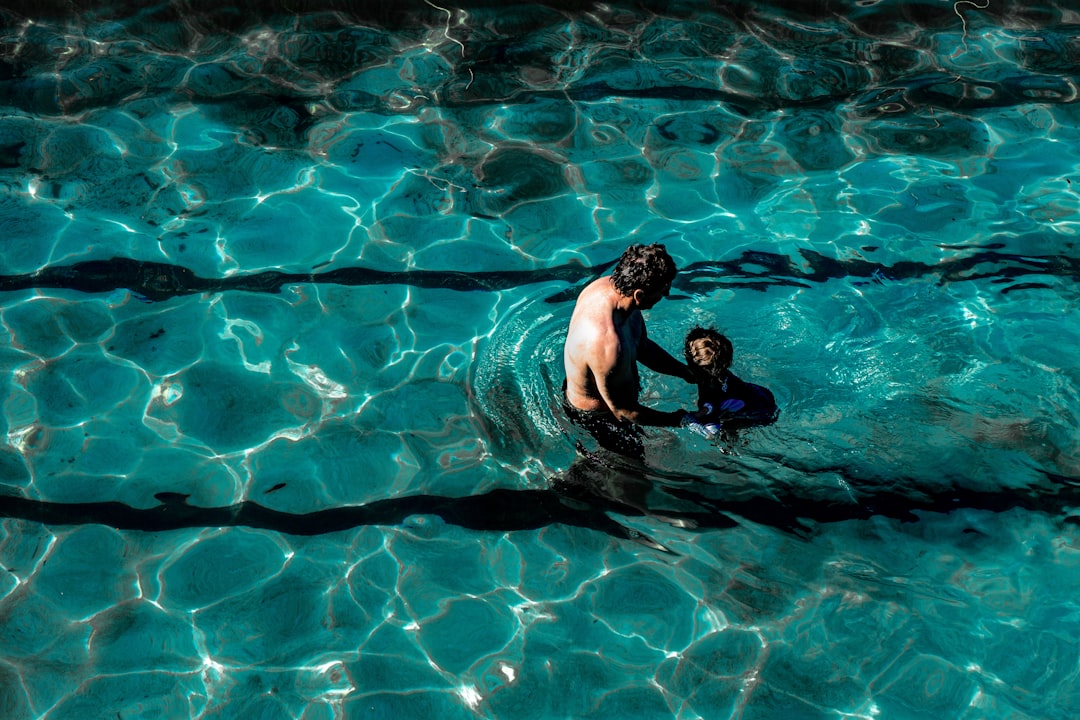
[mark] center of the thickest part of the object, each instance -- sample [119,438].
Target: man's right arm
[617,395]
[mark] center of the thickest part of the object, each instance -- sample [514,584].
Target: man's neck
[621,303]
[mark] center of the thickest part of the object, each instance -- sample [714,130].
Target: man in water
[605,342]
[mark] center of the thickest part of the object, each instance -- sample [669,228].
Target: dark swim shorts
[615,435]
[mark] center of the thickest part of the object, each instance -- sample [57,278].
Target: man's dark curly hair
[643,267]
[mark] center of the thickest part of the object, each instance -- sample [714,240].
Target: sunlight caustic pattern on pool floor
[282,293]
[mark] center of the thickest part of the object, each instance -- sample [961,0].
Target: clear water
[282,294]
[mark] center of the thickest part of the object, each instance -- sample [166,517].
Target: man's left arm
[659,360]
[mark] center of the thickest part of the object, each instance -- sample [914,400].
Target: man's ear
[637,295]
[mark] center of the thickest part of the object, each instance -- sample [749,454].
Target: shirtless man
[605,342]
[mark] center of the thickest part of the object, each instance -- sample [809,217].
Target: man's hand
[694,425]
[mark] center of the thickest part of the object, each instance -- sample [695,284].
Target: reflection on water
[283,291]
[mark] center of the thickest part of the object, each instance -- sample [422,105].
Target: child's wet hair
[708,352]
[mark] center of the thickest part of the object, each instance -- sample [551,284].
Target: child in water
[725,402]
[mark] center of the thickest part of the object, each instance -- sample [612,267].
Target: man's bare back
[603,338]
[607,338]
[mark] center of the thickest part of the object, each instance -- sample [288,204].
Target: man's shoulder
[595,305]
[596,291]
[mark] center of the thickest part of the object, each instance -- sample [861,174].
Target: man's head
[708,353]
[644,272]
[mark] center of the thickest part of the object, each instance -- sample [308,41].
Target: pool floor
[283,291]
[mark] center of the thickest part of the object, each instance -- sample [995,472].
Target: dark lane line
[155,281]
[505,510]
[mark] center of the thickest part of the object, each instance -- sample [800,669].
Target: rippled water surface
[282,296]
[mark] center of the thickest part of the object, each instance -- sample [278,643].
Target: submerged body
[736,401]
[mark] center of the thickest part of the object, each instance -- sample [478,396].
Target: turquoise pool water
[282,294]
